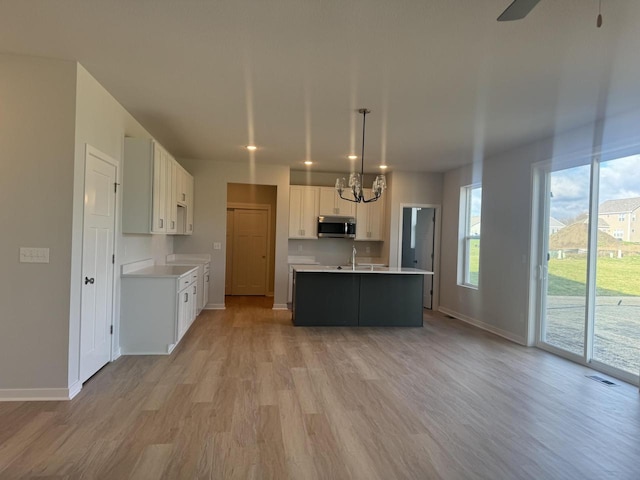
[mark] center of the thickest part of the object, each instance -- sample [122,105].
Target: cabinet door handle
[88,280]
[190,227]
[194,289]
[161,223]
[207,279]
[184,196]
[173,224]
[186,297]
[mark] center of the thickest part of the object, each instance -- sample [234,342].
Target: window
[618,233]
[621,217]
[470,225]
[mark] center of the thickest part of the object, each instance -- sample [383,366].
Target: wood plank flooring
[246,395]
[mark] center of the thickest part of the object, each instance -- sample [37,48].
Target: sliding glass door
[567,224]
[616,329]
[589,264]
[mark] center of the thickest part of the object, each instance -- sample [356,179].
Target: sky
[619,178]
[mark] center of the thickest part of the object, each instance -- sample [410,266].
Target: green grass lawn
[474,261]
[567,276]
[615,276]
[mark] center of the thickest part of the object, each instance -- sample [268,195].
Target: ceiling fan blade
[517,10]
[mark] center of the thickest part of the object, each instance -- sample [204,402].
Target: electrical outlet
[367,250]
[217,246]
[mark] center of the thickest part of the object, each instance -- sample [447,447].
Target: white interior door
[97,266]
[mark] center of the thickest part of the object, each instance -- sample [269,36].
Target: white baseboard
[280,306]
[484,326]
[214,306]
[39,394]
[117,354]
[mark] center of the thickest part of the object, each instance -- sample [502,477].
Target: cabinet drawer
[187,279]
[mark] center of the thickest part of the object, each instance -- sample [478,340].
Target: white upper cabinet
[370,219]
[332,204]
[182,183]
[159,190]
[151,188]
[190,202]
[303,211]
[172,195]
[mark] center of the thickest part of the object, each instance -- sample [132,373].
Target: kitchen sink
[371,268]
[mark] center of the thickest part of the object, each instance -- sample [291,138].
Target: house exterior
[474,226]
[622,217]
[555,225]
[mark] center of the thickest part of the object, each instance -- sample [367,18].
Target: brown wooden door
[250,246]
[228,281]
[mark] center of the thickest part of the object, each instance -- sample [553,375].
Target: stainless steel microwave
[336,227]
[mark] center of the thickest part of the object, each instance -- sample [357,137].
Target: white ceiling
[446,83]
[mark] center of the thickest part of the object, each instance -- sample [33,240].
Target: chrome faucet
[353,257]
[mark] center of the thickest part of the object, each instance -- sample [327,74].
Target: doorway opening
[418,244]
[250,254]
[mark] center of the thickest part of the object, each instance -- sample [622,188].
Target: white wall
[103,123]
[501,303]
[404,188]
[50,109]
[210,218]
[37,110]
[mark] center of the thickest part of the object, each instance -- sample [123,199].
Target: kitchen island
[361,296]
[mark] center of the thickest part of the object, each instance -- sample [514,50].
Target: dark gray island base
[388,298]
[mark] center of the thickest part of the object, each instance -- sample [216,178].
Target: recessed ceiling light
[383,166]
[352,157]
[251,147]
[308,162]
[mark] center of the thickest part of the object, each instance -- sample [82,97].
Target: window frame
[465,236]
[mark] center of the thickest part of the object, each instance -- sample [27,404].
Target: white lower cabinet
[158,305]
[202,263]
[204,295]
[187,311]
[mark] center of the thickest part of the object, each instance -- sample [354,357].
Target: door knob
[89,280]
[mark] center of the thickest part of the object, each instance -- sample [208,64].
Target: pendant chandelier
[353,190]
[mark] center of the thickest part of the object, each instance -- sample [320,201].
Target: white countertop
[361,269]
[162,271]
[147,268]
[188,258]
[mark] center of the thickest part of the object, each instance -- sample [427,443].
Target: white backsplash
[337,251]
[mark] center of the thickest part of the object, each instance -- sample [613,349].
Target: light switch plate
[34,255]
[217,246]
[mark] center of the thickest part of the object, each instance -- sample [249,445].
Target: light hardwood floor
[246,395]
